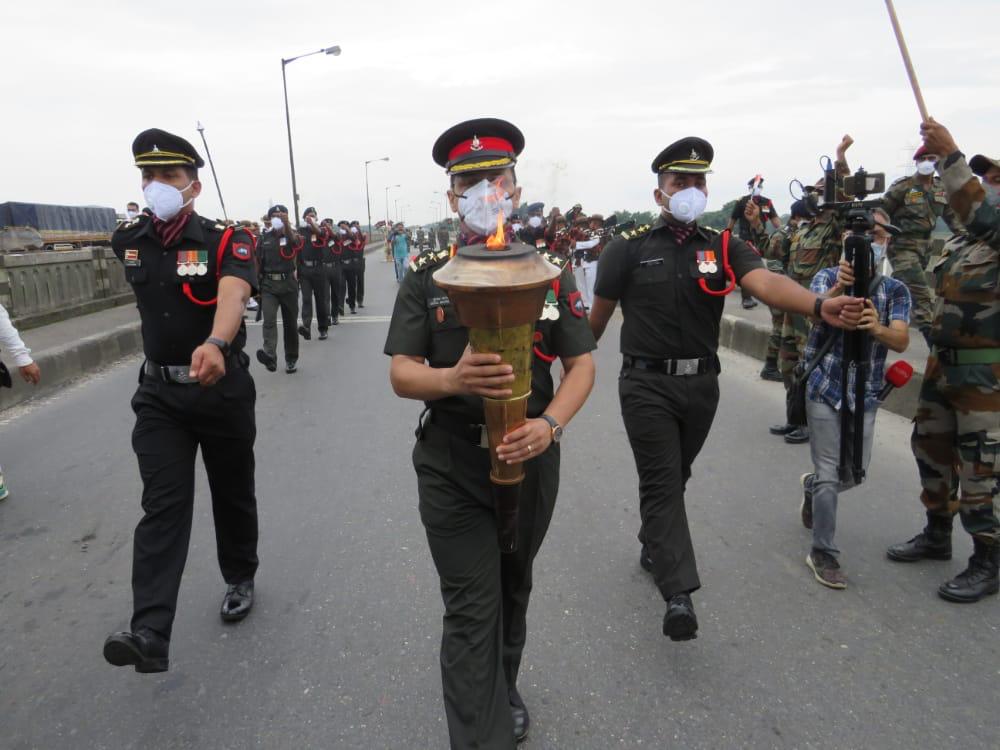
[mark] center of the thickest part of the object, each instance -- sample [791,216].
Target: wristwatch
[223,345]
[557,430]
[818,307]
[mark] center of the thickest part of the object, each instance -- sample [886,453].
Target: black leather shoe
[645,561]
[323,335]
[980,579]
[797,436]
[770,371]
[271,363]
[143,649]
[237,602]
[519,713]
[749,303]
[353,311]
[335,321]
[781,429]
[361,306]
[305,333]
[291,367]
[680,622]
[933,543]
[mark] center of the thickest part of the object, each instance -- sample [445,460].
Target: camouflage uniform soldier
[914,204]
[776,252]
[956,432]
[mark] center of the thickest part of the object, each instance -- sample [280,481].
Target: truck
[25,227]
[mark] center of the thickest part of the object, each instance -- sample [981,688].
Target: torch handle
[907,62]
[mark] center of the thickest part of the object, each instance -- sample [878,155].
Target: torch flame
[497,241]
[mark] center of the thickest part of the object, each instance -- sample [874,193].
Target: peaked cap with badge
[158,148]
[689,155]
[478,145]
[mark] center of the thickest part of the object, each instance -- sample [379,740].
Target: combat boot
[933,543]
[979,579]
[771,371]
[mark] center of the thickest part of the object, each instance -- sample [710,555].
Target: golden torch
[498,291]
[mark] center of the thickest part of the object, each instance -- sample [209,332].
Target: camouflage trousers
[794,333]
[774,339]
[956,442]
[909,259]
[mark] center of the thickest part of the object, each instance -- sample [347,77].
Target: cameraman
[956,431]
[10,342]
[886,318]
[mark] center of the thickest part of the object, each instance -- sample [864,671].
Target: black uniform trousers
[667,419]
[485,593]
[280,294]
[354,278]
[312,281]
[335,288]
[172,422]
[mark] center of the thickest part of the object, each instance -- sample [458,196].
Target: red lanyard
[726,268]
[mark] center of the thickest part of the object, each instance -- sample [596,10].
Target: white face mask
[165,201]
[925,168]
[992,194]
[878,251]
[277,224]
[354,230]
[757,191]
[342,230]
[517,227]
[686,205]
[479,207]
[131,214]
[534,222]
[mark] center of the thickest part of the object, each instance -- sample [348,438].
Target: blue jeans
[824,444]
[400,263]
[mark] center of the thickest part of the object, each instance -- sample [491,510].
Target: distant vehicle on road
[38,226]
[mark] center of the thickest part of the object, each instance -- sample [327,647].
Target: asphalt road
[341,650]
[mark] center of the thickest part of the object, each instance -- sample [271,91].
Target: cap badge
[694,155]
[476,145]
[155,147]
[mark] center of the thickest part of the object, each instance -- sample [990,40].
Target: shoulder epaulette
[429,259]
[127,224]
[557,260]
[902,179]
[637,232]
[710,230]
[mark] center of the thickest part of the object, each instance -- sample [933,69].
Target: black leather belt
[697,366]
[277,276]
[180,374]
[459,427]
[330,262]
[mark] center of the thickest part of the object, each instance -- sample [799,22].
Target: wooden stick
[906,60]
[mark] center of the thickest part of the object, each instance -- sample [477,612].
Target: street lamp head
[334,50]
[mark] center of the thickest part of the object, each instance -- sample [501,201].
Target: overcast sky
[598,88]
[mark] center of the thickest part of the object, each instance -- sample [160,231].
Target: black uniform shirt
[172,325]
[315,244]
[424,324]
[667,315]
[275,257]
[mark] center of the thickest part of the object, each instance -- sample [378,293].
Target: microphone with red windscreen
[896,376]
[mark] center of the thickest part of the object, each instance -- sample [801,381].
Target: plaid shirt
[892,300]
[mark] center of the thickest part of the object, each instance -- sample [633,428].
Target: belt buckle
[484,437]
[686,367]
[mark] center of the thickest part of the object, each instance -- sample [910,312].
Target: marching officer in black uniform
[485,593]
[333,271]
[191,278]
[671,279]
[312,278]
[277,248]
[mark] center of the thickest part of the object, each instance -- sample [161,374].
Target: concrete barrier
[42,288]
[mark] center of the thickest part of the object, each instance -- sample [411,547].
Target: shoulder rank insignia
[637,232]
[557,260]
[428,259]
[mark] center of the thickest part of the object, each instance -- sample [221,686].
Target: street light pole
[387,189]
[215,177]
[334,50]
[368,200]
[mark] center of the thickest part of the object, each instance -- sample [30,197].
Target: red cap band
[475,145]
